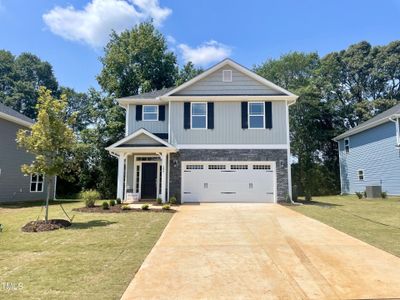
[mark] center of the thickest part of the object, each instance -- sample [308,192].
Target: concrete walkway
[261,251]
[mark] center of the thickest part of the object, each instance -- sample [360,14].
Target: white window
[360,174]
[150,113]
[256,115]
[227,75]
[37,182]
[199,115]
[346,145]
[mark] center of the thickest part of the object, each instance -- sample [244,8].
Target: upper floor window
[360,174]
[199,115]
[37,182]
[346,145]
[150,112]
[256,115]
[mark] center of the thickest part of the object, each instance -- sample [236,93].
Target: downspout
[395,119]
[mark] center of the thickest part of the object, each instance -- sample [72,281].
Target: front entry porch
[143,160]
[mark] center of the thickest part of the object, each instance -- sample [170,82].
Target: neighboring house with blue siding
[369,154]
[221,137]
[14,185]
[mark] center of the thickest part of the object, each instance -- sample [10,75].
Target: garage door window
[216,167]
[239,167]
[194,167]
[261,167]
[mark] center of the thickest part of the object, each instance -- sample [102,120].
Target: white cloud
[205,54]
[93,24]
[171,39]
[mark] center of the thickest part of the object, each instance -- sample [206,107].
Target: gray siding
[152,126]
[241,85]
[374,152]
[228,126]
[14,185]
[142,139]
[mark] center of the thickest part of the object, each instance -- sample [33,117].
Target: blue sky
[70,34]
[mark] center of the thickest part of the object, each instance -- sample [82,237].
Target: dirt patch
[38,226]
[118,209]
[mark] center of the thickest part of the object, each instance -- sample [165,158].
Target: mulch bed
[118,209]
[38,226]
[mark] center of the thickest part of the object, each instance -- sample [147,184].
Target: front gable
[240,82]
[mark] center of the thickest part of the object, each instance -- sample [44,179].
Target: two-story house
[221,137]
[15,186]
[369,154]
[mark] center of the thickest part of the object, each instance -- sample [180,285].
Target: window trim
[363,175]
[36,184]
[157,111]
[191,116]
[250,115]
[348,145]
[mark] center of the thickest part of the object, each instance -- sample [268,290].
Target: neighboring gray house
[369,154]
[220,137]
[14,185]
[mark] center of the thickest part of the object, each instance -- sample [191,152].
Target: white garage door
[228,181]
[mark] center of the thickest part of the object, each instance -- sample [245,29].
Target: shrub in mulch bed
[38,226]
[118,208]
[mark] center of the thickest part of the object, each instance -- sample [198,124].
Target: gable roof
[166,94]
[123,142]
[235,65]
[12,115]
[373,122]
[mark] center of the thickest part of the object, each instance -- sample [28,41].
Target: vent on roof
[227,75]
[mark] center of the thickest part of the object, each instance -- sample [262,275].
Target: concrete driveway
[254,251]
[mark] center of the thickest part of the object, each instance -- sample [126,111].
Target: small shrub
[112,202]
[105,205]
[365,194]
[119,201]
[90,197]
[308,197]
[166,207]
[384,195]
[359,195]
[125,207]
[159,201]
[145,207]
[287,198]
[172,200]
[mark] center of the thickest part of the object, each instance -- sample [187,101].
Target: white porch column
[120,181]
[163,177]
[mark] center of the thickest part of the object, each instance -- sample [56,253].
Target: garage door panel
[228,182]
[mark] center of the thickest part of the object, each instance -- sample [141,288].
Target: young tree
[51,140]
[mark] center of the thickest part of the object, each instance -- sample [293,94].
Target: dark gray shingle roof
[152,94]
[368,124]
[13,113]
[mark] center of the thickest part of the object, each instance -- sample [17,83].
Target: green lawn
[376,222]
[95,258]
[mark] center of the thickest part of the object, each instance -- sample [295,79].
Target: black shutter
[268,115]
[210,115]
[186,115]
[161,113]
[244,115]
[139,112]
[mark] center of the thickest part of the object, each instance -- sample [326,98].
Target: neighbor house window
[150,112]
[37,182]
[360,174]
[347,145]
[199,115]
[256,115]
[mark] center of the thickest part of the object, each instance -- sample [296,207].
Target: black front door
[149,181]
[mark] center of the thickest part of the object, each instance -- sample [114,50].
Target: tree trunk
[46,218]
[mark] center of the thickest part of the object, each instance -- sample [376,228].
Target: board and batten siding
[373,151]
[241,85]
[14,185]
[228,126]
[151,126]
